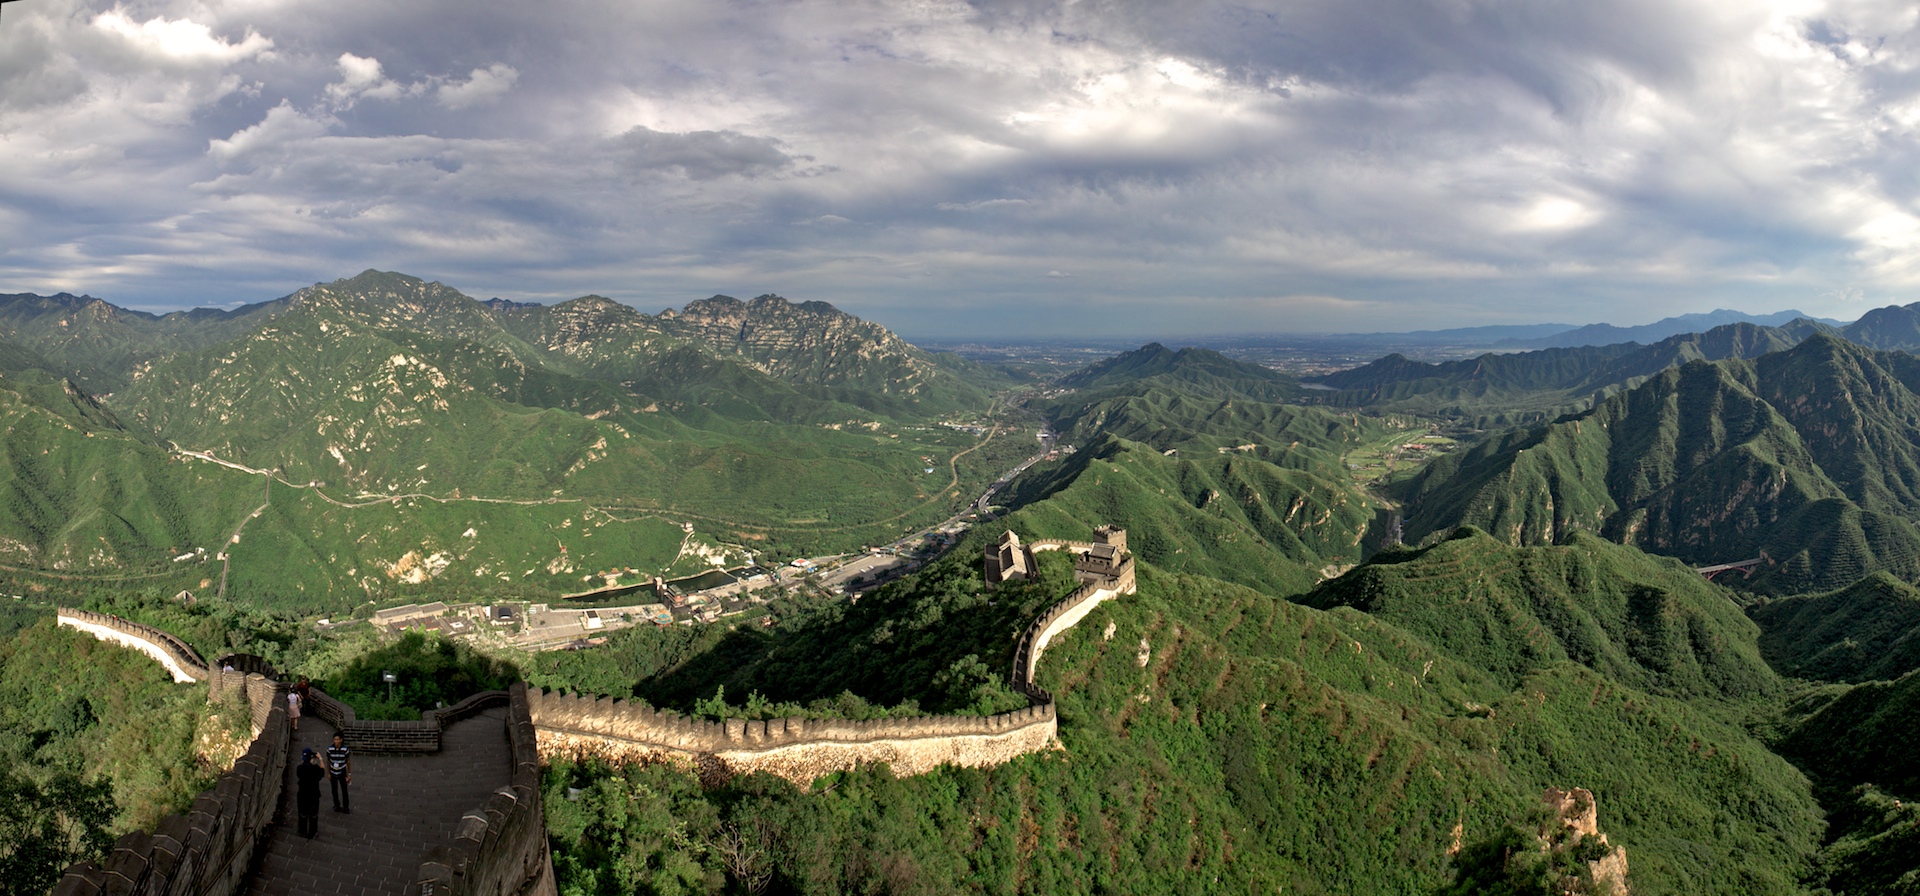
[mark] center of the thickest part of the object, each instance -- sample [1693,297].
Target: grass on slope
[1215,740]
[1867,631]
[1646,622]
[1234,517]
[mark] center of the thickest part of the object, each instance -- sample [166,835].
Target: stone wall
[182,661]
[1058,618]
[575,727]
[500,848]
[378,736]
[206,851]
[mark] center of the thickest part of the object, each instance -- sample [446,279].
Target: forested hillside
[416,438]
[1806,454]
[1374,623]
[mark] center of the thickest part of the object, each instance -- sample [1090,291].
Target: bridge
[1746,567]
[450,805]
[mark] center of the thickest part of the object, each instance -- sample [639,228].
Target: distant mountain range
[778,416]
[1811,454]
[1538,336]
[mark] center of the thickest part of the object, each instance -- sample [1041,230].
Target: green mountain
[1501,389]
[1195,371]
[1713,462]
[1234,517]
[1861,735]
[398,414]
[765,359]
[1895,327]
[1867,631]
[98,345]
[1643,621]
[1196,455]
[1213,732]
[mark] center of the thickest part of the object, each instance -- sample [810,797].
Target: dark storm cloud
[1182,167]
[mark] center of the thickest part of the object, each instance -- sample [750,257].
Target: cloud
[179,39]
[1408,159]
[484,85]
[704,155]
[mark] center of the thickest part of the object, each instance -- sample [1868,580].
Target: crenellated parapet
[207,850]
[385,736]
[500,848]
[1060,617]
[181,661]
[799,749]
[577,727]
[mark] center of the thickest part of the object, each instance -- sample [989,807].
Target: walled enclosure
[800,750]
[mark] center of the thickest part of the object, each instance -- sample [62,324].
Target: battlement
[500,848]
[181,660]
[206,851]
[383,736]
[576,727]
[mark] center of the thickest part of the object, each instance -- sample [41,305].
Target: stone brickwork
[182,661]
[501,847]
[378,736]
[578,727]
[800,750]
[205,852]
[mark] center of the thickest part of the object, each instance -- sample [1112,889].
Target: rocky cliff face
[1573,826]
[811,342]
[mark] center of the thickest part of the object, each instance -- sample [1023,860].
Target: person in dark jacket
[307,797]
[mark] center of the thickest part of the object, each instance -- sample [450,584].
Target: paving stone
[403,806]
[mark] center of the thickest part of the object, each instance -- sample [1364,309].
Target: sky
[1115,168]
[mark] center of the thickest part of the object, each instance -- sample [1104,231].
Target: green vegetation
[1648,622]
[43,829]
[76,713]
[432,672]
[1808,454]
[1875,839]
[769,426]
[1867,631]
[1255,729]
[1863,735]
[1289,704]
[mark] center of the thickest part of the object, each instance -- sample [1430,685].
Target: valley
[1380,611]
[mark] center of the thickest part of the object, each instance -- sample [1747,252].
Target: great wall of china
[499,849]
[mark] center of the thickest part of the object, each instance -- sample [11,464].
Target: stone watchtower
[1008,560]
[1101,562]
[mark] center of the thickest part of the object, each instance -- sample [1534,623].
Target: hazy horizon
[960,169]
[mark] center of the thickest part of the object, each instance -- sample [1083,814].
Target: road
[898,558]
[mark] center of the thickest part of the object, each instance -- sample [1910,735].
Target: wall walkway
[461,817]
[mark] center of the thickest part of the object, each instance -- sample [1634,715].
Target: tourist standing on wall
[307,797]
[305,690]
[340,772]
[293,708]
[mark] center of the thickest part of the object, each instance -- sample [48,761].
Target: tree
[45,829]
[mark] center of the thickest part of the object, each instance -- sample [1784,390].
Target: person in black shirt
[340,773]
[307,797]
